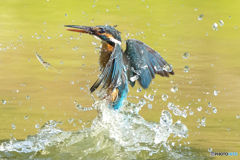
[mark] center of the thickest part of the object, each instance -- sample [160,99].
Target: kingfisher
[138,62]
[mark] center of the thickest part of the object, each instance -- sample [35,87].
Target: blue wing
[143,63]
[111,75]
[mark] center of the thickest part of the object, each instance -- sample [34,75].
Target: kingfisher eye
[101,30]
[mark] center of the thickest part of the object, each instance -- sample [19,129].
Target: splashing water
[122,134]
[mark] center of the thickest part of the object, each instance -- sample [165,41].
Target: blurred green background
[170,27]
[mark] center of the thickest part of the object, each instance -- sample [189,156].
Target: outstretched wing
[111,75]
[143,63]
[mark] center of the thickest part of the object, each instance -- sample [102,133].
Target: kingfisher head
[105,33]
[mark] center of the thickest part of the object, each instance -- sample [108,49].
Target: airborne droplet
[174,89]
[78,106]
[199,108]
[4,102]
[209,104]
[221,23]
[186,55]
[200,17]
[150,106]
[214,110]
[215,93]
[26,117]
[134,78]
[186,69]
[215,26]
[139,89]
[70,120]
[164,97]
[167,67]
[37,125]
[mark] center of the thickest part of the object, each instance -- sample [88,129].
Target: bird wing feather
[143,62]
[111,75]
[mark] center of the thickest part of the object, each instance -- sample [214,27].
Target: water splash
[122,134]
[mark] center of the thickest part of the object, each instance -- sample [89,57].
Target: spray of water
[122,134]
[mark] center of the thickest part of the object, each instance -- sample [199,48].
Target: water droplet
[209,104]
[4,102]
[200,17]
[148,24]
[49,37]
[203,119]
[72,82]
[37,125]
[214,110]
[13,126]
[12,140]
[61,62]
[27,97]
[199,108]
[164,97]
[191,113]
[221,23]
[237,116]
[80,120]
[167,67]
[20,36]
[139,90]
[209,149]
[43,107]
[196,9]
[173,143]
[186,55]
[134,78]
[215,93]
[186,69]
[78,106]
[215,26]
[150,106]
[71,120]
[26,117]
[151,97]
[66,15]
[83,56]
[174,89]
[166,118]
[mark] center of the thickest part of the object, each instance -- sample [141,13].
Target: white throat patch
[112,39]
[115,41]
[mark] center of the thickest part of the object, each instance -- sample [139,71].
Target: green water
[170,27]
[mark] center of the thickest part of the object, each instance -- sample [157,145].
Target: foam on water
[122,134]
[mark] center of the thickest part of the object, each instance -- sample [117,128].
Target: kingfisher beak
[81,29]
